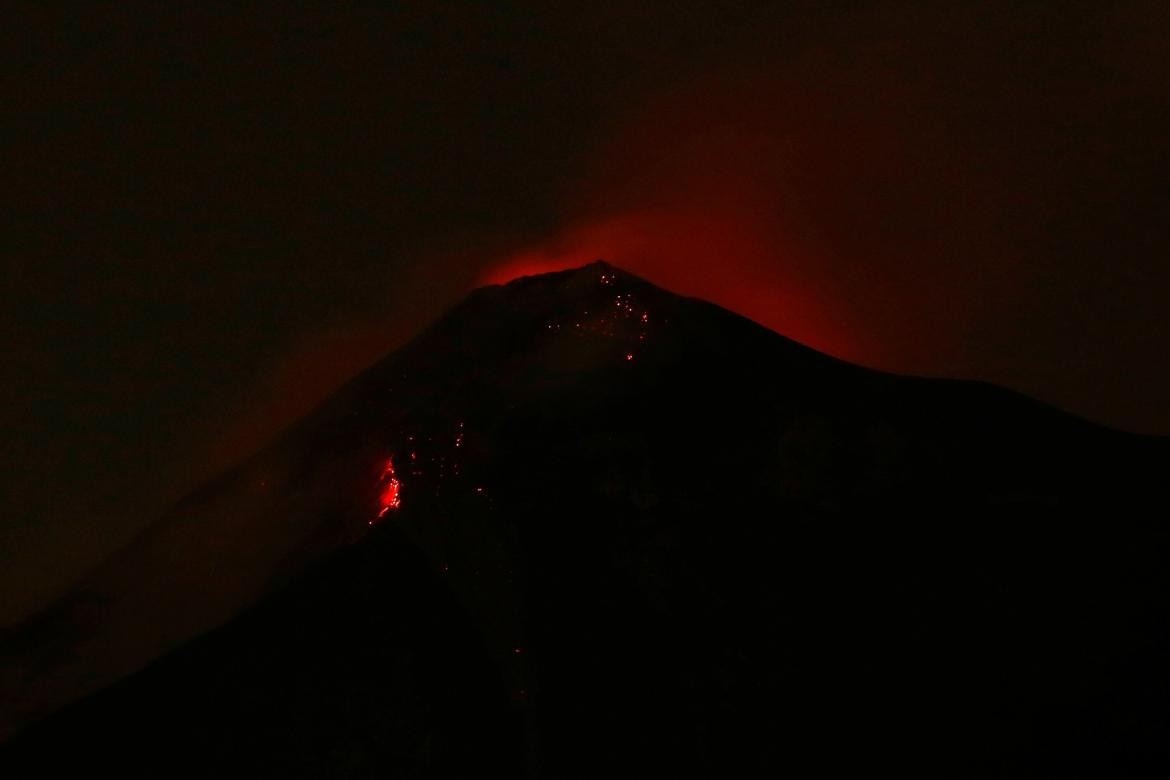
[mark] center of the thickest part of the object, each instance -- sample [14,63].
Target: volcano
[583,527]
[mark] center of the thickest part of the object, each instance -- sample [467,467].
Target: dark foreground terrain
[625,534]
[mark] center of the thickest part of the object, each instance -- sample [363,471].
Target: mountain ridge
[597,382]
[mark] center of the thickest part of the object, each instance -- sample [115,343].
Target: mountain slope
[583,527]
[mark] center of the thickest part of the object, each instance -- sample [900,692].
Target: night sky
[214,218]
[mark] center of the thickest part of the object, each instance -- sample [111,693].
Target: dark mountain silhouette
[582,527]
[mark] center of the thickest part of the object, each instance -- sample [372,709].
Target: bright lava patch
[388,497]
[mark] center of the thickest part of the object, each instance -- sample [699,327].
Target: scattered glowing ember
[435,463]
[627,321]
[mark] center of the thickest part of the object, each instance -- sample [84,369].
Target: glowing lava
[389,497]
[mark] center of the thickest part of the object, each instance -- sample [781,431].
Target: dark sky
[212,218]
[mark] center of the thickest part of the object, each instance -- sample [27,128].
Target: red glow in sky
[718,192]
